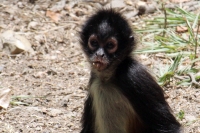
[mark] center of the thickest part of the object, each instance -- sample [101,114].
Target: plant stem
[165,24]
[196,42]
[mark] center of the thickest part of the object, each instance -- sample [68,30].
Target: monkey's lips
[99,65]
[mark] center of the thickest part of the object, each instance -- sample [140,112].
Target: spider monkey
[123,97]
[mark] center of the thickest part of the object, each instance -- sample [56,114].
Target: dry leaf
[15,43]
[5,95]
[128,2]
[181,29]
[55,16]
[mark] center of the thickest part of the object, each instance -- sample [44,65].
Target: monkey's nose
[100,55]
[100,52]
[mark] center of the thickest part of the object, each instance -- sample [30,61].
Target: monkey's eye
[111,45]
[93,42]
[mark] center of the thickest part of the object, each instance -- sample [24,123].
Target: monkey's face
[102,51]
[106,38]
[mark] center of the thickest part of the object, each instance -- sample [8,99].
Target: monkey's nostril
[102,55]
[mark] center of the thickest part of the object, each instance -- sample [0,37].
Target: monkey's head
[106,38]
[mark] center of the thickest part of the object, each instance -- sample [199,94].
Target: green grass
[18,100]
[181,114]
[160,36]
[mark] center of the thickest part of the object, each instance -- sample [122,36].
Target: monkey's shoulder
[131,69]
[131,74]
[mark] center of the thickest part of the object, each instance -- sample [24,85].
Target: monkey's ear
[131,38]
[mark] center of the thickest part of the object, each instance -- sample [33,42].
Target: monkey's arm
[146,97]
[87,118]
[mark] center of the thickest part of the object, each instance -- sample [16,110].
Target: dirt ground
[49,84]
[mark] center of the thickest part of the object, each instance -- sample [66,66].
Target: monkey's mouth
[99,65]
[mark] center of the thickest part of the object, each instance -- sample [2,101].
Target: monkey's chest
[113,111]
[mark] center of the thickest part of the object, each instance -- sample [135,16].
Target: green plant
[161,35]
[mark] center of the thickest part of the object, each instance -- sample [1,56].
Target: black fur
[146,96]
[133,81]
[117,27]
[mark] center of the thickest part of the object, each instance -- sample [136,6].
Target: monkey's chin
[99,66]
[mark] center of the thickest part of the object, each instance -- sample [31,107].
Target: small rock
[33,25]
[190,118]
[116,4]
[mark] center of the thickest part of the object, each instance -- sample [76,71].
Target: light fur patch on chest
[114,113]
